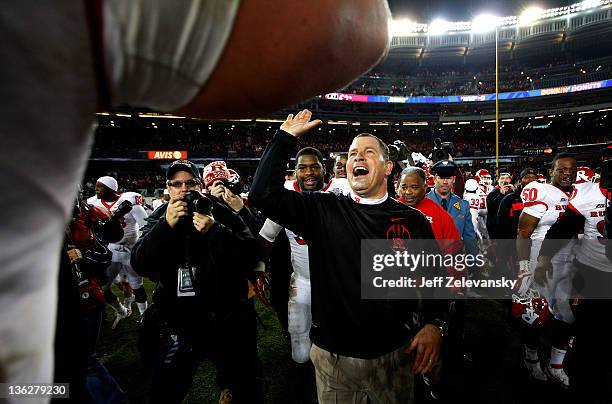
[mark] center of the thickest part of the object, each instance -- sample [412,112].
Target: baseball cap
[110,182]
[527,171]
[444,168]
[182,165]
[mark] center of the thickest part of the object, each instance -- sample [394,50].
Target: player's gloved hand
[259,287]
[525,278]
[123,208]
[542,271]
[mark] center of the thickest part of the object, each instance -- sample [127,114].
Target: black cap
[527,171]
[444,168]
[183,165]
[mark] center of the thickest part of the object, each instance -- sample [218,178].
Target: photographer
[201,267]
[504,187]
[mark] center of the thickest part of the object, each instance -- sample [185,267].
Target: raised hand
[300,123]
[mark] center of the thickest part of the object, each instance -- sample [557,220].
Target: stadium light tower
[402,27]
[530,15]
[437,27]
[486,23]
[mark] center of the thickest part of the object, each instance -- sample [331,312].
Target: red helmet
[234,177]
[541,179]
[584,174]
[430,179]
[483,177]
[533,309]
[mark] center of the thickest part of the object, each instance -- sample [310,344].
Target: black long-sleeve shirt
[494,199]
[508,215]
[333,226]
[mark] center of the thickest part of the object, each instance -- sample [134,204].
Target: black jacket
[223,259]
[334,226]
[508,214]
[494,199]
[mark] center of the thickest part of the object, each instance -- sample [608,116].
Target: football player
[310,172]
[586,211]
[474,197]
[107,197]
[340,165]
[543,204]
[483,177]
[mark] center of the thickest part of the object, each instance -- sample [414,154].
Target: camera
[441,150]
[398,151]
[198,202]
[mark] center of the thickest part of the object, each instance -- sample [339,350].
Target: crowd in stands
[224,141]
[425,81]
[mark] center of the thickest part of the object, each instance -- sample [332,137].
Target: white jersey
[299,248]
[590,202]
[545,202]
[478,210]
[131,222]
[157,203]
[475,200]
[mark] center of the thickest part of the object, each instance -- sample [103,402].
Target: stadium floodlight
[403,27]
[437,27]
[586,4]
[485,23]
[530,15]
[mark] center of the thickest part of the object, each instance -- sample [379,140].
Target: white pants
[558,290]
[300,318]
[121,266]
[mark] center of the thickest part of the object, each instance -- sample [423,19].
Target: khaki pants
[342,379]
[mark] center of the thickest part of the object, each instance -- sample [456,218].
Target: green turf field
[117,349]
[494,376]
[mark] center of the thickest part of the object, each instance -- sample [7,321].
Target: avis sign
[167,155]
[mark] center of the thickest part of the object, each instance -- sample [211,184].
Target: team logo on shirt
[398,232]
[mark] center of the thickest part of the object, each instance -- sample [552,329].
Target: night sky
[424,11]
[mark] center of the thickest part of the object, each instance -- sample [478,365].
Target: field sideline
[493,376]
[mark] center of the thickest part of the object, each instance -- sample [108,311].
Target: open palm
[300,123]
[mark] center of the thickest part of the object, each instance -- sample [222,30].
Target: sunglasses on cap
[179,184]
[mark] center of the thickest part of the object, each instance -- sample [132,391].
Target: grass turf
[493,376]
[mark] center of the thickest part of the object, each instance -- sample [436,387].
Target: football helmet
[584,174]
[233,182]
[531,308]
[483,177]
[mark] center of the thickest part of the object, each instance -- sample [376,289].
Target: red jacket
[442,223]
